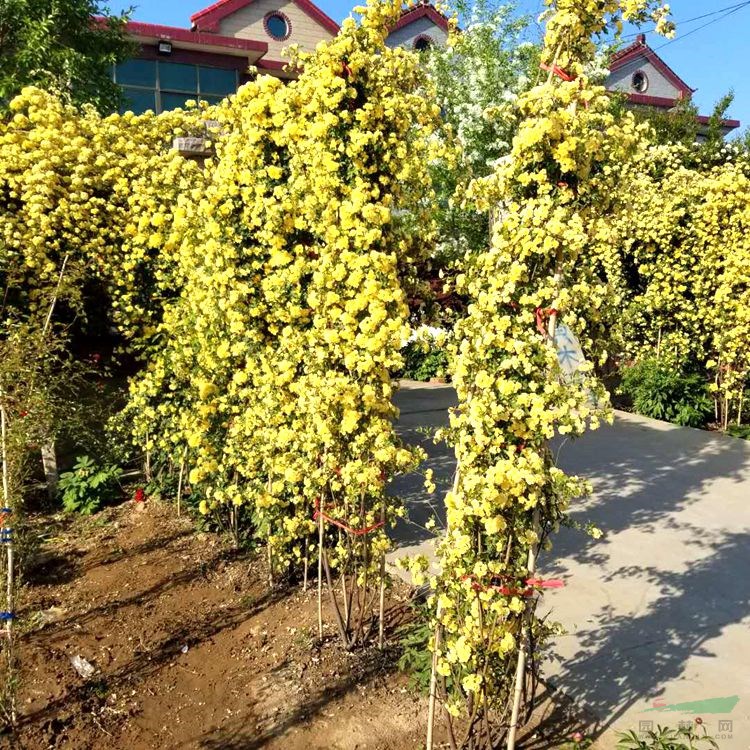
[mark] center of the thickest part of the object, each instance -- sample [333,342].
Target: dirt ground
[191,650]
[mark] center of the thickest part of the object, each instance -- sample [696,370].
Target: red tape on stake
[541,313]
[533,584]
[355,532]
[558,71]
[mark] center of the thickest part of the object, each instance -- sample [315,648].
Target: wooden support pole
[523,646]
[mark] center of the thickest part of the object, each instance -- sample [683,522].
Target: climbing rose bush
[273,380]
[550,201]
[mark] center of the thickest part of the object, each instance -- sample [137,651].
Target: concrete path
[656,613]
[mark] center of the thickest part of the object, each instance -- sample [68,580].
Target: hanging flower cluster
[81,197]
[273,375]
[550,201]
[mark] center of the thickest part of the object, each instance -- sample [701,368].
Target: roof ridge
[213,14]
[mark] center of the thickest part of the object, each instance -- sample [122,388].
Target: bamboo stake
[726,413]
[433,688]
[48,321]
[531,562]
[320,570]
[6,501]
[522,650]
[436,637]
[5,455]
[148,460]
[9,545]
[717,394]
[381,623]
[271,581]
[739,408]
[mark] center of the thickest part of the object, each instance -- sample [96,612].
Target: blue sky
[712,59]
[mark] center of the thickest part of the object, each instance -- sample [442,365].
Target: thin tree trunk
[306,563]
[179,482]
[51,472]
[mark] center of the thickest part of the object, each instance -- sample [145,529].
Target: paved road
[656,613]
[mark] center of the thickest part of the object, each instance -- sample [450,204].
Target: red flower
[140,496]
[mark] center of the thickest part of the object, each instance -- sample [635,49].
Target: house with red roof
[212,58]
[647,81]
[419,28]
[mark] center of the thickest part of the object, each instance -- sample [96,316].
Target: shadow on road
[673,504]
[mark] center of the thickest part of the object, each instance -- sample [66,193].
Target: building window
[160,86]
[423,42]
[277,25]
[639,81]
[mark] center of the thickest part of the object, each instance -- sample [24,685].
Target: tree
[68,47]
[477,76]
[680,125]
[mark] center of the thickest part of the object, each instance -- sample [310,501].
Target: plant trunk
[51,472]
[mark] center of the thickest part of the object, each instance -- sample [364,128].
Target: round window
[422,43]
[277,26]
[639,81]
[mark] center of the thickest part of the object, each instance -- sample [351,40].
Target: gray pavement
[657,612]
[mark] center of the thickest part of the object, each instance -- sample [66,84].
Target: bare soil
[192,650]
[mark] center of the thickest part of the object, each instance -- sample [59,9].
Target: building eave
[147,33]
[658,102]
[726,124]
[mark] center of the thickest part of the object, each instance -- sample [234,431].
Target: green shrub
[685,738]
[423,360]
[662,391]
[739,431]
[416,657]
[87,486]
